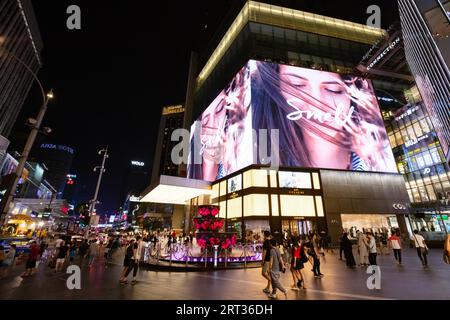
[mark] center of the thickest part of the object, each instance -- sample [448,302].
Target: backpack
[2,255]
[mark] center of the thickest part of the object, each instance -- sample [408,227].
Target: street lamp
[35,125]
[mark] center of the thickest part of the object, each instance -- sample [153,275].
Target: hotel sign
[388,49]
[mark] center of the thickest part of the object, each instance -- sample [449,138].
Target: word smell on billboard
[320,115]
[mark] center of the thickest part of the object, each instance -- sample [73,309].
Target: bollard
[187,254]
[206,258]
[170,249]
[216,247]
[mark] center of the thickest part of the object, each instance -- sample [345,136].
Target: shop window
[392,141]
[255,178]
[223,208]
[301,180]
[416,195]
[297,206]
[215,191]
[423,194]
[234,209]
[427,158]
[275,211]
[273,179]
[235,183]
[431,193]
[418,129]
[223,188]
[316,180]
[319,205]
[254,230]
[410,195]
[256,205]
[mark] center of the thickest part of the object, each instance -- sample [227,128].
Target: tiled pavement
[410,281]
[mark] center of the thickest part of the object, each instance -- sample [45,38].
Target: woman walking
[362,249]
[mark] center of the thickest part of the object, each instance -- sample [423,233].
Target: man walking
[266,261]
[421,247]
[372,246]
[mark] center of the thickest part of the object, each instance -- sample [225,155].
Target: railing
[186,254]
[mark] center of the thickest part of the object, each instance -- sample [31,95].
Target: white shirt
[140,249]
[372,245]
[58,243]
[418,241]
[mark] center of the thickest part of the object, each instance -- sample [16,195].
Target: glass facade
[19,40]
[426,32]
[421,160]
[419,155]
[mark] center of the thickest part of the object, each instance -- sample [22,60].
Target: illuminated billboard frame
[323,120]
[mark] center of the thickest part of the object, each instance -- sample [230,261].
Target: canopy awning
[175,190]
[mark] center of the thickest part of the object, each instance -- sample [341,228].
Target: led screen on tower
[324,120]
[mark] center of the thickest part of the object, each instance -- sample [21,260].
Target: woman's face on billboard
[321,99]
[319,96]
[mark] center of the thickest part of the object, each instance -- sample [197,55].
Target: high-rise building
[20,44]
[426,31]
[291,73]
[171,119]
[57,160]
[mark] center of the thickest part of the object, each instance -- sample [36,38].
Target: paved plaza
[410,281]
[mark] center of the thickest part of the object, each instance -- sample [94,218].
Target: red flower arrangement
[208,227]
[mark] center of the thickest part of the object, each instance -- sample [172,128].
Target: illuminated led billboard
[324,120]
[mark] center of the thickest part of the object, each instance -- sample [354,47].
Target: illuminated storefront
[257,199]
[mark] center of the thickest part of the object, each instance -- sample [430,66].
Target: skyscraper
[20,44]
[171,119]
[426,31]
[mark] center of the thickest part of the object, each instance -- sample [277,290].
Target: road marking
[342,294]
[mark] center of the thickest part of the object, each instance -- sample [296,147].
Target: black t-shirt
[63,252]
[266,246]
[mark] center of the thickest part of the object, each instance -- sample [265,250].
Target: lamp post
[35,125]
[94,200]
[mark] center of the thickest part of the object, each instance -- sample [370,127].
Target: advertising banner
[323,120]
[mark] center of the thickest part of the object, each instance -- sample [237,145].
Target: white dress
[362,248]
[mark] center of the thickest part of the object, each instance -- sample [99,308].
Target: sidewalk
[409,281]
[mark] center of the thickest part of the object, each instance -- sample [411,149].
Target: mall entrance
[299,226]
[375,223]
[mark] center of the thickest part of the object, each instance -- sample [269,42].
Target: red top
[34,252]
[297,252]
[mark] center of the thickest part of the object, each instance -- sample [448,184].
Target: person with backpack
[127,261]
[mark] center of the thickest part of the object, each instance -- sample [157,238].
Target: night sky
[131,58]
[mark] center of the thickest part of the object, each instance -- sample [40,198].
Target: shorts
[265,267]
[60,260]
[31,264]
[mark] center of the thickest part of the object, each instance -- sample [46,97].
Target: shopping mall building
[287,131]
